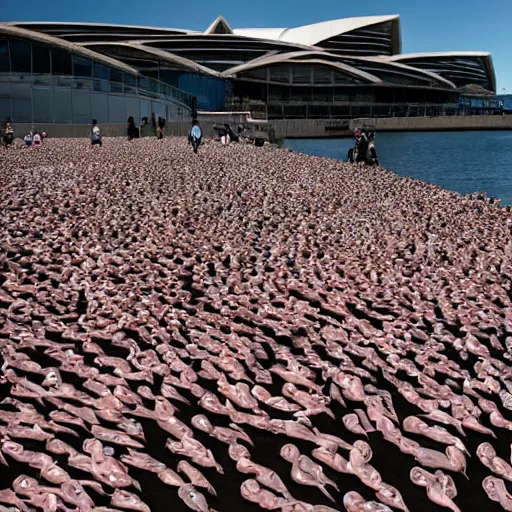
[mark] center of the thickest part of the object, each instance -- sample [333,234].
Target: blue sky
[432,25]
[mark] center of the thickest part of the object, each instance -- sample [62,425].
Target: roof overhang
[485,56]
[284,58]
[99,25]
[398,65]
[332,60]
[161,55]
[39,37]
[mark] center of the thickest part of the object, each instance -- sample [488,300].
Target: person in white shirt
[36,140]
[96,134]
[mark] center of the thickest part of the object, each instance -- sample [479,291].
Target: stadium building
[353,67]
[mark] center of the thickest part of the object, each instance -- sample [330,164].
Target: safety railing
[139,85]
[351,110]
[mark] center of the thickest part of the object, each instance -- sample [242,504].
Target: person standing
[195,135]
[160,128]
[133,132]
[96,134]
[8,135]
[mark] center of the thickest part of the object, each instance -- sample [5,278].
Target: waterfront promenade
[246,329]
[300,128]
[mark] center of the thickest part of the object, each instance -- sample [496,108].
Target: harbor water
[464,162]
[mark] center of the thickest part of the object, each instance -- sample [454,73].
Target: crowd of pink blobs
[225,276]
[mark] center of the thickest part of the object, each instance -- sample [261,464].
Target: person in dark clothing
[160,128]
[133,132]
[8,135]
[220,131]
[231,136]
[195,135]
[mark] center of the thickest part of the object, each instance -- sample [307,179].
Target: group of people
[134,132]
[195,135]
[33,138]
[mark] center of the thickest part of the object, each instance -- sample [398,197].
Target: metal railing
[141,85]
[350,110]
[72,100]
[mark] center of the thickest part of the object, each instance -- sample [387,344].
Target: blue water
[464,162]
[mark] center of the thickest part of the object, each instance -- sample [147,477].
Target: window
[153,85]
[294,112]
[130,83]
[316,111]
[101,74]
[151,73]
[61,62]
[5,66]
[82,67]
[322,75]
[21,61]
[301,94]
[130,79]
[257,74]
[280,74]
[279,93]
[340,78]
[301,74]
[341,96]
[323,94]
[116,75]
[144,82]
[41,59]
[101,71]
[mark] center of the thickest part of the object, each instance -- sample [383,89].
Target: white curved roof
[313,34]
[260,33]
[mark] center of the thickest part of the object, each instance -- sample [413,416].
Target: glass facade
[210,92]
[21,61]
[45,84]
[41,62]
[82,67]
